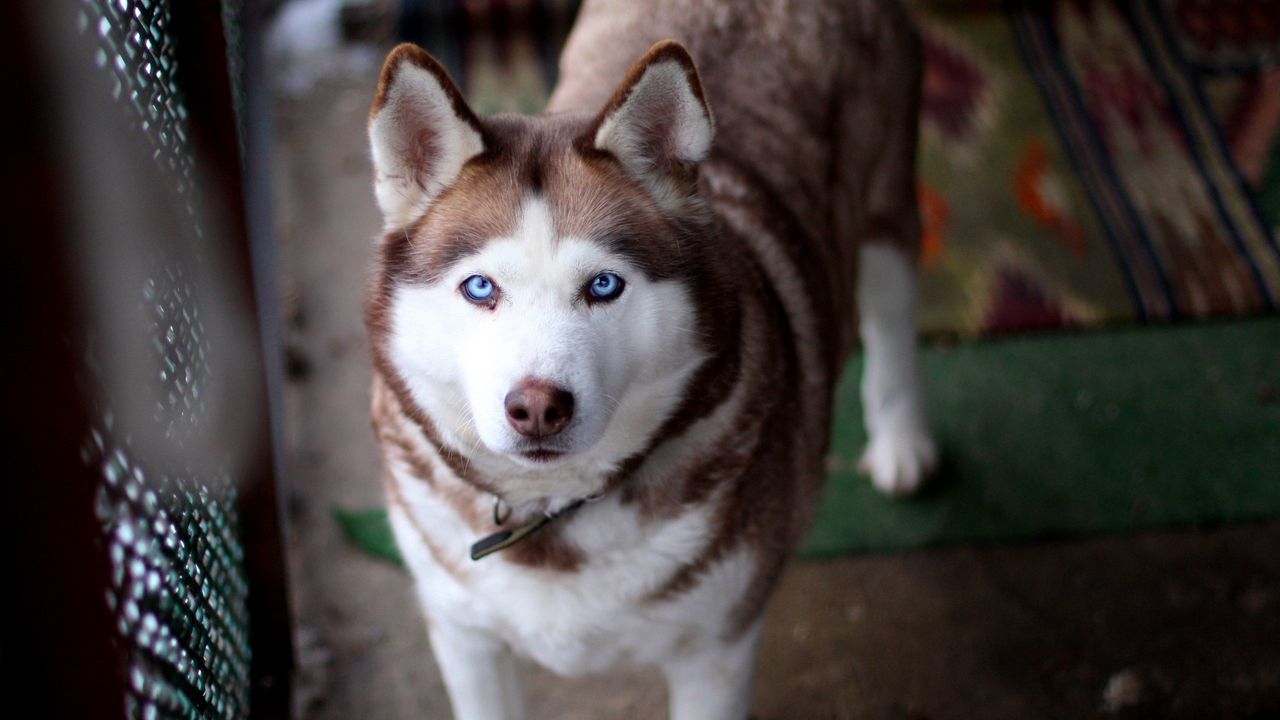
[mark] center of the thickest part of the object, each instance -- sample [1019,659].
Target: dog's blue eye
[605,286]
[478,288]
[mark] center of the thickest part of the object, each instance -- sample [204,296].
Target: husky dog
[606,337]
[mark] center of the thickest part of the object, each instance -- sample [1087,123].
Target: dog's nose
[538,409]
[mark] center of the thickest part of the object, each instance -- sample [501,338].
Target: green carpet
[1075,434]
[1069,434]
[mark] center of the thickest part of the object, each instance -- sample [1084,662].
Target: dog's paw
[899,459]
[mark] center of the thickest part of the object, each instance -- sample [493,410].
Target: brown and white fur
[701,394]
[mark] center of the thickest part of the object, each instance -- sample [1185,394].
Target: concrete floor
[1169,625]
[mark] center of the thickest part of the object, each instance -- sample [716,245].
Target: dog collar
[504,539]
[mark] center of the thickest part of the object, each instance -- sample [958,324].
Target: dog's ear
[657,123]
[421,133]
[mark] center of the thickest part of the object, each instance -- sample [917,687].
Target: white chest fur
[599,615]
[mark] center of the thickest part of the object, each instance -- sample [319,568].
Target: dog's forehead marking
[584,198]
[535,252]
[536,232]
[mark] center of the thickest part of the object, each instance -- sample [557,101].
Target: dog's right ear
[421,133]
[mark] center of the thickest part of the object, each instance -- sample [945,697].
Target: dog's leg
[479,673]
[877,178]
[900,452]
[714,683]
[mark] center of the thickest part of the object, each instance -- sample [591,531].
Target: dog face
[532,344]
[540,291]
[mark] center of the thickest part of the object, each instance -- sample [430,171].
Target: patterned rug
[1098,161]
[1084,162]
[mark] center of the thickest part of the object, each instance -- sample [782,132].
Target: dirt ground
[1167,625]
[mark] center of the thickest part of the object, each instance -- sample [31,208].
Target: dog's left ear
[657,123]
